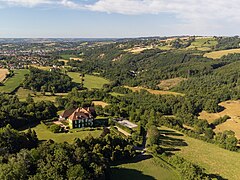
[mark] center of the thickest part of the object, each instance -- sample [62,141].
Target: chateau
[80,117]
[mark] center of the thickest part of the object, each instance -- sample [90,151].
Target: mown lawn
[44,134]
[90,81]
[144,169]
[209,156]
[14,82]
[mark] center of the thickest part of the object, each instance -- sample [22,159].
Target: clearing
[144,167]
[90,81]
[170,83]
[219,54]
[3,74]
[209,156]
[100,103]
[232,109]
[156,92]
[14,82]
[44,134]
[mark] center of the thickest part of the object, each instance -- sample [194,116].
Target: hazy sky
[118,18]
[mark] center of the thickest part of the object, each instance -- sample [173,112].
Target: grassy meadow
[203,44]
[44,134]
[148,168]
[209,156]
[90,81]
[156,92]
[14,82]
[232,109]
[219,54]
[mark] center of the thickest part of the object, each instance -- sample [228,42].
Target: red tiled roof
[80,113]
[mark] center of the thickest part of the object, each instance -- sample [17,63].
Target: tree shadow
[128,174]
[216,176]
[170,133]
[171,141]
[30,125]
[136,159]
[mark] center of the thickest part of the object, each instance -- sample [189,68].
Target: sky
[117,18]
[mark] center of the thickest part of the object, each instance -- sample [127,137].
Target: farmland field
[68,56]
[3,74]
[149,169]
[209,156]
[44,134]
[14,82]
[156,92]
[219,54]
[232,109]
[90,81]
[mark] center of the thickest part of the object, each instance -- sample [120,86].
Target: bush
[55,128]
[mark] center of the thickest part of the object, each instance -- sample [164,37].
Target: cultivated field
[14,82]
[3,74]
[209,156]
[219,54]
[100,103]
[90,81]
[44,134]
[157,92]
[232,109]
[170,83]
[139,168]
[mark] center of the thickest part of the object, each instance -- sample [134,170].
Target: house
[79,118]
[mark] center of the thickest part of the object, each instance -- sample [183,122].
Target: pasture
[146,167]
[3,74]
[232,109]
[156,92]
[209,156]
[203,43]
[170,83]
[14,82]
[90,81]
[44,134]
[219,54]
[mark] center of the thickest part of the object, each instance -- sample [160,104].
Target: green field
[116,94]
[209,156]
[90,81]
[144,169]
[68,56]
[14,82]
[203,44]
[23,94]
[44,134]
